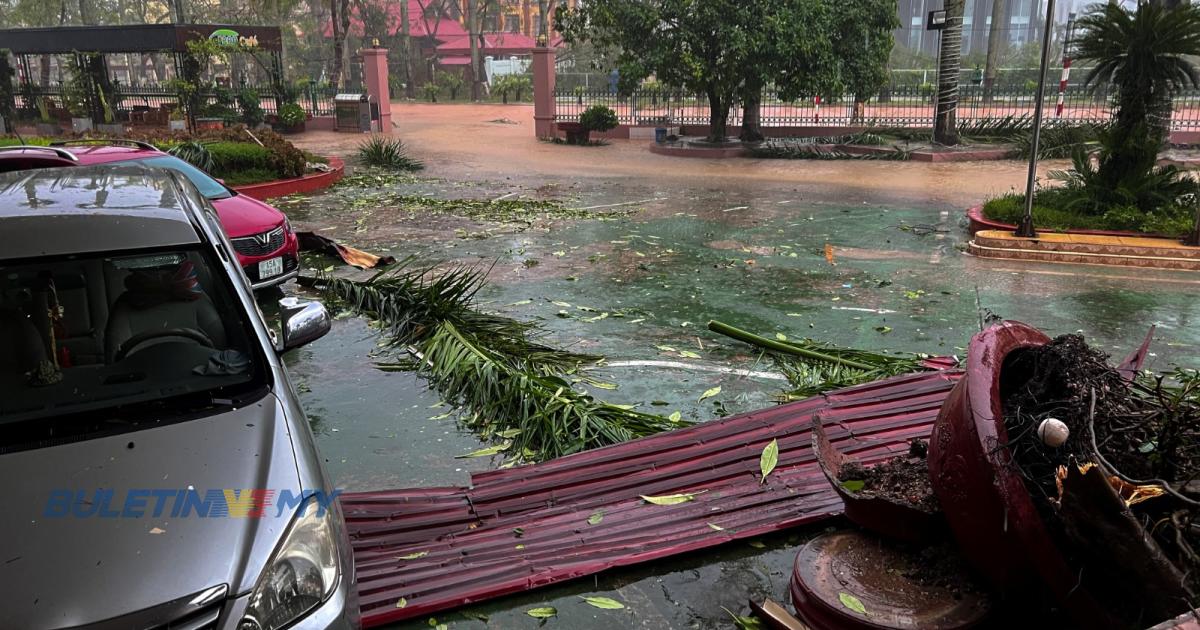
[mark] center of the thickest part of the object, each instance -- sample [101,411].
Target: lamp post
[1025,229]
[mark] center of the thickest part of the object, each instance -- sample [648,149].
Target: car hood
[242,215]
[66,571]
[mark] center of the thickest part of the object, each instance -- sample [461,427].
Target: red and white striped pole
[1062,86]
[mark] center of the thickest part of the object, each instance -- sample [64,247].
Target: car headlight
[301,574]
[287,225]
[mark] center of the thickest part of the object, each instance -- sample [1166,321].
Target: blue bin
[660,134]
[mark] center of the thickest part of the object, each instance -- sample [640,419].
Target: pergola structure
[89,44]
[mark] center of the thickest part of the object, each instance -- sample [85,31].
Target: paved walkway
[493,141]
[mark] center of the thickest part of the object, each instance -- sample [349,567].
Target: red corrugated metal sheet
[526,527]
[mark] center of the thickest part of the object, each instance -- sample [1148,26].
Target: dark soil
[1057,381]
[901,479]
[942,566]
[1131,429]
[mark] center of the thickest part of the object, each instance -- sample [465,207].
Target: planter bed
[977,222]
[303,184]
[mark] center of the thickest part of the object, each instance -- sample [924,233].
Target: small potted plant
[291,118]
[46,125]
[595,118]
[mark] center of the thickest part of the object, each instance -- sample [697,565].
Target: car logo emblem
[263,239]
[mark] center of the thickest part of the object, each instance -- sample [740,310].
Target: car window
[102,337]
[209,187]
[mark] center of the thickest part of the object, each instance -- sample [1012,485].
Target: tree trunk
[85,13]
[718,117]
[473,28]
[997,38]
[406,66]
[752,116]
[335,64]
[860,108]
[945,124]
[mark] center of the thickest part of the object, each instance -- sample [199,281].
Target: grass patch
[1049,214]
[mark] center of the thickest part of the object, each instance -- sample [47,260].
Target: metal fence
[898,106]
[147,103]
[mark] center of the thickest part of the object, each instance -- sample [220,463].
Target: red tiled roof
[493,43]
[420,26]
[455,61]
[518,529]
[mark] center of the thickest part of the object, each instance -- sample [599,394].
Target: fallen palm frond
[193,153]
[806,151]
[813,367]
[509,386]
[1005,129]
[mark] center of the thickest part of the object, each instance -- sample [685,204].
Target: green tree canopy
[724,49]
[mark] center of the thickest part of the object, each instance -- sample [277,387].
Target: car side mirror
[303,321]
[220,181]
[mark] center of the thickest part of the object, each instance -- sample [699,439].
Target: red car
[266,246]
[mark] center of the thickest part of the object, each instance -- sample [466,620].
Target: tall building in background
[1022,24]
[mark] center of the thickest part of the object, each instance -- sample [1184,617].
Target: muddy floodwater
[859,254]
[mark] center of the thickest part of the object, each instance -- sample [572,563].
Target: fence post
[543,90]
[375,71]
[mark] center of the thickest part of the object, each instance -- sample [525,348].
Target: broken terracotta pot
[851,580]
[884,516]
[983,496]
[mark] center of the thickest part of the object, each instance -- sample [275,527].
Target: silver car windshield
[103,336]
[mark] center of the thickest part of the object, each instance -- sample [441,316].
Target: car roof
[86,209]
[104,153]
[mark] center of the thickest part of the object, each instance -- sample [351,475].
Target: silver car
[156,468]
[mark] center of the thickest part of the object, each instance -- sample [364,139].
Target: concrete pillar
[543,92]
[375,73]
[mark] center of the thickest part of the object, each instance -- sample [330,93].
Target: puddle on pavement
[373,428]
[756,259]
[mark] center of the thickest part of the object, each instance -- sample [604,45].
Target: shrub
[248,176]
[230,157]
[387,153]
[431,91]
[291,114]
[452,82]
[1049,213]
[251,105]
[598,118]
[287,160]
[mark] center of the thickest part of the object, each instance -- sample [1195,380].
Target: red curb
[979,222]
[307,183]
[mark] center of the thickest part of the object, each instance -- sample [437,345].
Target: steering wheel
[133,342]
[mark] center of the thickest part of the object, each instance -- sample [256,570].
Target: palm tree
[945,122]
[995,48]
[1142,53]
